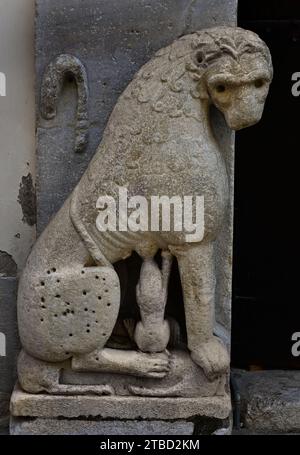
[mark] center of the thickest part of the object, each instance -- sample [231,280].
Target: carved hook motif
[52,84]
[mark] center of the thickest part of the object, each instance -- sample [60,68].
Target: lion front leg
[196,266]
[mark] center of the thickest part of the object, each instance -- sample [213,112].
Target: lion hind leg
[71,311]
[37,376]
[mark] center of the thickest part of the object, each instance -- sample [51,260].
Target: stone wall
[17,202]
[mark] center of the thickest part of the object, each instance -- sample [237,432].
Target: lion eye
[220,88]
[199,57]
[259,83]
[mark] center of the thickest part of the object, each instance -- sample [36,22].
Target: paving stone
[270,400]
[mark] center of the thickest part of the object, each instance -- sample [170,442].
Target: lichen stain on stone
[8,267]
[27,200]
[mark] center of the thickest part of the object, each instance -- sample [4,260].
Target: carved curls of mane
[162,82]
[212,44]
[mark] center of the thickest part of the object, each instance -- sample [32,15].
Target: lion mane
[164,81]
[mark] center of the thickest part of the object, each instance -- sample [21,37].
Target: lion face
[239,90]
[234,70]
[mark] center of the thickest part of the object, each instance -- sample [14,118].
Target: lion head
[226,66]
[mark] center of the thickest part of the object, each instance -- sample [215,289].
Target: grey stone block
[270,401]
[106,428]
[9,343]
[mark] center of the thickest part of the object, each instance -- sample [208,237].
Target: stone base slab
[115,407]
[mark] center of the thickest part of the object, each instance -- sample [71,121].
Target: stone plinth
[50,414]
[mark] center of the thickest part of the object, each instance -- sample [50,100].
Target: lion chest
[184,167]
[181,167]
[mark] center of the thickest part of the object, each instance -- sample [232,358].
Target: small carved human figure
[159,141]
[152,333]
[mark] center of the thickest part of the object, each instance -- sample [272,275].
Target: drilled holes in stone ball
[74,313]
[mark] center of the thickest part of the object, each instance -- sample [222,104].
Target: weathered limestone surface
[184,379]
[161,127]
[270,401]
[162,138]
[113,40]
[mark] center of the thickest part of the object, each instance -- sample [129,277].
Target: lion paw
[213,357]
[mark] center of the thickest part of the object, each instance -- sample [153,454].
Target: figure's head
[234,70]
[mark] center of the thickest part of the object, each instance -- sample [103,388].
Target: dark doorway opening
[266,307]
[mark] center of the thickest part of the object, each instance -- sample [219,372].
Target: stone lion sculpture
[158,141]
